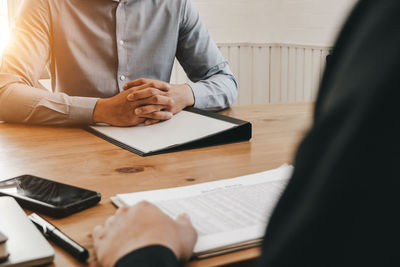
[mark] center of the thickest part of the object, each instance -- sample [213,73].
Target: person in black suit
[340,206]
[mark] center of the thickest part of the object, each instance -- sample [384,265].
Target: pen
[58,237]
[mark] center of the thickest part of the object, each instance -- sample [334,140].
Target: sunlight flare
[4,30]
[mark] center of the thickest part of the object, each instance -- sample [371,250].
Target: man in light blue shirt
[110,61]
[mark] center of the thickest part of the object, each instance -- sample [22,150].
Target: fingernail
[185,215]
[138,111]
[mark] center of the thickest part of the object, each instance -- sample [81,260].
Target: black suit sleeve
[340,207]
[151,256]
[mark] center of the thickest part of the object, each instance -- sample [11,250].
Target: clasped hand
[143,101]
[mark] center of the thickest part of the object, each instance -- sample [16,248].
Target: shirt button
[121,42]
[122,77]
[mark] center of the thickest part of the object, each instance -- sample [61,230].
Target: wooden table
[74,156]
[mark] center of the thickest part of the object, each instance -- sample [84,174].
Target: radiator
[271,73]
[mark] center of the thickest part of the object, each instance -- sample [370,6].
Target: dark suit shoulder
[365,56]
[338,208]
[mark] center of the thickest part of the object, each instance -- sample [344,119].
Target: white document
[225,213]
[182,128]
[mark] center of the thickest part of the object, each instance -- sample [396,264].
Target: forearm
[24,104]
[157,256]
[216,92]
[24,59]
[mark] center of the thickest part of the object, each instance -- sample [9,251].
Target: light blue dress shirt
[93,47]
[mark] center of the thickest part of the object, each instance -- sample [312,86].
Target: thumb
[188,236]
[183,220]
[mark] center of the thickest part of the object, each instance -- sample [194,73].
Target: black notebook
[189,129]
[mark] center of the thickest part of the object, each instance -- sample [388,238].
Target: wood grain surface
[74,156]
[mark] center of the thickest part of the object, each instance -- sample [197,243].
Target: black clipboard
[241,132]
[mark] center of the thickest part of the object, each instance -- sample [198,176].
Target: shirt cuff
[200,95]
[153,256]
[81,110]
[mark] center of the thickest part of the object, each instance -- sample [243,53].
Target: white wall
[307,22]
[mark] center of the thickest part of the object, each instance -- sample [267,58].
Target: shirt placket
[122,73]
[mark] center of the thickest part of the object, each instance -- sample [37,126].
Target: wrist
[98,111]
[189,96]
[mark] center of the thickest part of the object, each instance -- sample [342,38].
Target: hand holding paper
[139,226]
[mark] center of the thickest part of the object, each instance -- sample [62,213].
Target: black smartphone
[48,197]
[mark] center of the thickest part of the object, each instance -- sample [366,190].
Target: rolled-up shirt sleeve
[24,59]
[213,83]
